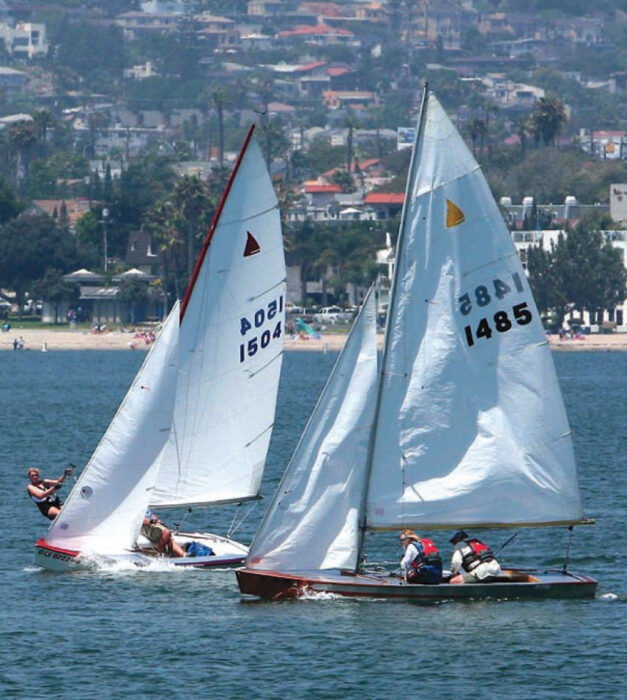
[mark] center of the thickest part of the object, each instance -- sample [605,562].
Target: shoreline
[66,339]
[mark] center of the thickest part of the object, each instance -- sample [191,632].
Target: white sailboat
[462,427]
[204,439]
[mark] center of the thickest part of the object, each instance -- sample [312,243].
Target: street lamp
[105,217]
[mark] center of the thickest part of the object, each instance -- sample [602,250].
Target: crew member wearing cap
[472,561]
[421,562]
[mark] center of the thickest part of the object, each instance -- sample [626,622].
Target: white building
[26,40]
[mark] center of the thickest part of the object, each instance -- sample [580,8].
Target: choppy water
[175,633]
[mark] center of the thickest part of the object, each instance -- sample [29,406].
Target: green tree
[547,119]
[162,222]
[29,245]
[590,270]
[191,199]
[10,207]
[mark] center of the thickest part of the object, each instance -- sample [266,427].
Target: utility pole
[105,221]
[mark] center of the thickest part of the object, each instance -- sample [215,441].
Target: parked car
[333,314]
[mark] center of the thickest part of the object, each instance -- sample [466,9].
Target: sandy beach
[66,339]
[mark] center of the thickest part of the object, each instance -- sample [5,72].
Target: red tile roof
[384,198]
[310,66]
[315,29]
[336,71]
[318,189]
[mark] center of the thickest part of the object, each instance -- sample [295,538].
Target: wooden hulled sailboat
[463,426]
[195,426]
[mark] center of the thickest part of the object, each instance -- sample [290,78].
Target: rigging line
[265,291]
[234,527]
[254,374]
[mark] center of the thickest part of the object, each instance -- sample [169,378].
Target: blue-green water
[190,633]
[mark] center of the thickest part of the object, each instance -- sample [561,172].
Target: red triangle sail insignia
[252,246]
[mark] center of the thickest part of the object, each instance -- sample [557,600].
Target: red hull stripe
[42,544]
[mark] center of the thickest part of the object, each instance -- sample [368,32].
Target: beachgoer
[42,491]
[15,343]
[472,560]
[160,536]
[421,562]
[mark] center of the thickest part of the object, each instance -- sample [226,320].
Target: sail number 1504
[263,337]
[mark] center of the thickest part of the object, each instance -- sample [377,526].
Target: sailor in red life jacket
[421,562]
[472,561]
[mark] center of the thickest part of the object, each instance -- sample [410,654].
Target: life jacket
[478,553]
[428,554]
[44,504]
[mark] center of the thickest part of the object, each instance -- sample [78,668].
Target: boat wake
[319,595]
[608,596]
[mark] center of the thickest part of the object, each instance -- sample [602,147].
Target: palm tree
[163,223]
[547,119]
[22,136]
[192,202]
[44,121]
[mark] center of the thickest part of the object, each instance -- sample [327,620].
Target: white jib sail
[471,427]
[230,351]
[104,511]
[313,521]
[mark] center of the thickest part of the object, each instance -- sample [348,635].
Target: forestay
[471,427]
[104,510]
[230,349]
[313,522]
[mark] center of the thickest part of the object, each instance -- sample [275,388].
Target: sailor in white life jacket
[472,560]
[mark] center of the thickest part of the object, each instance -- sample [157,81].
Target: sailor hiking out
[43,491]
[421,562]
[472,560]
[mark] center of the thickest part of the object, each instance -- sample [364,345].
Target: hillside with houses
[120,122]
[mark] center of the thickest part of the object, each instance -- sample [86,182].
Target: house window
[133,246]
[619,317]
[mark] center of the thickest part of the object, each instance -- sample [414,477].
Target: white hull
[227,553]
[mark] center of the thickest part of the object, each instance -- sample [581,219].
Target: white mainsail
[313,521]
[471,428]
[230,349]
[104,510]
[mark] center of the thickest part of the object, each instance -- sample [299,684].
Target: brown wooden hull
[513,584]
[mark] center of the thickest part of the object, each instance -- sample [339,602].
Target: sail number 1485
[257,320]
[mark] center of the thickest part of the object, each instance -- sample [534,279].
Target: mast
[413,165]
[214,223]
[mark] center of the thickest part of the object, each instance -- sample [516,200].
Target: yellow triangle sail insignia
[454,215]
